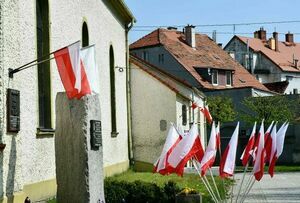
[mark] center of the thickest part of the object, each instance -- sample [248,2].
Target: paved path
[283,188]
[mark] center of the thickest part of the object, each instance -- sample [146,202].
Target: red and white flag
[205,111]
[218,137]
[210,152]
[189,146]
[272,152]
[89,71]
[173,138]
[69,68]
[248,149]
[258,168]
[268,141]
[279,147]
[227,163]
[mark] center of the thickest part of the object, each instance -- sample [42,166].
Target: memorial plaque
[96,134]
[13,110]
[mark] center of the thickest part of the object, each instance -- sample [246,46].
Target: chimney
[261,34]
[275,36]
[190,37]
[289,37]
[256,34]
[271,43]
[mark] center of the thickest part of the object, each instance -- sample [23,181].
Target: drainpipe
[128,96]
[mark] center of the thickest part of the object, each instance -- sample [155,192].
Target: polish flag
[189,146]
[210,152]
[69,68]
[89,71]
[218,137]
[173,138]
[249,146]
[268,141]
[205,111]
[227,163]
[272,146]
[196,104]
[279,147]
[258,168]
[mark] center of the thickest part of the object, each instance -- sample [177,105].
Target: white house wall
[28,158]
[151,103]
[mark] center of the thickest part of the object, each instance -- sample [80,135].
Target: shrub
[139,191]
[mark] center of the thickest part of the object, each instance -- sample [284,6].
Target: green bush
[139,191]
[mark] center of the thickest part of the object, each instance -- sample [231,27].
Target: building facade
[271,61]
[29,30]
[158,99]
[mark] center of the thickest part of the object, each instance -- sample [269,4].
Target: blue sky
[197,12]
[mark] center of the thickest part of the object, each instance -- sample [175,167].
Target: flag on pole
[227,163]
[268,141]
[173,138]
[210,152]
[189,146]
[205,111]
[249,146]
[272,146]
[279,147]
[69,68]
[218,137]
[258,168]
[89,71]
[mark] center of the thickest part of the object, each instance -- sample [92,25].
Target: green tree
[272,108]
[221,108]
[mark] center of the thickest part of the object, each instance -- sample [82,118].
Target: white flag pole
[208,189]
[212,177]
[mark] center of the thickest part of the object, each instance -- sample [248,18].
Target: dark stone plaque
[13,110]
[96,134]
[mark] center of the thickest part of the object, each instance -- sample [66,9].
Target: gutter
[128,95]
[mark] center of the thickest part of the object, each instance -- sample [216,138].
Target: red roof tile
[207,54]
[283,58]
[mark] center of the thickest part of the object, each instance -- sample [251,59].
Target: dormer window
[214,77]
[228,78]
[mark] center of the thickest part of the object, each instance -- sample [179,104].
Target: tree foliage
[272,108]
[221,108]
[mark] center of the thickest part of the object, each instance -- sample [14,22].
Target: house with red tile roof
[272,62]
[157,99]
[199,61]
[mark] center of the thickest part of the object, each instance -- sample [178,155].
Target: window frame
[214,72]
[45,124]
[230,78]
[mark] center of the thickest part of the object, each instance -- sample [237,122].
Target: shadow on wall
[11,170]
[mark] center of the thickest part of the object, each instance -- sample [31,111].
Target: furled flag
[189,146]
[173,138]
[89,72]
[205,111]
[218,137]
[258,168]
[272,146]
[210,152]
[268,141]
[279,147]
[69,68]
[227,163]
[249,146]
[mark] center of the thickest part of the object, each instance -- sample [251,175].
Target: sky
[159,13]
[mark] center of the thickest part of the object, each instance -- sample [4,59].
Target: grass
[188,180]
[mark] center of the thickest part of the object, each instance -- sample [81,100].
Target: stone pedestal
[79,168]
